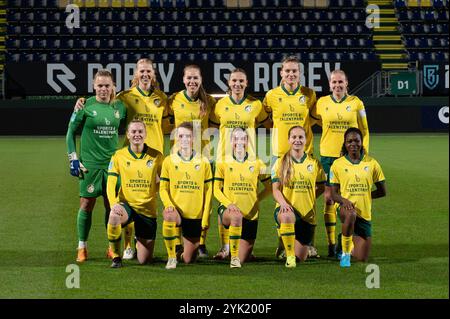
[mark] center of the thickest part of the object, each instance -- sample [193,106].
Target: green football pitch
[38,236]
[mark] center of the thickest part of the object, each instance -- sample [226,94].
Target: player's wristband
[73,156]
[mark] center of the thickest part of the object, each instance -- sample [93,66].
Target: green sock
[84,221]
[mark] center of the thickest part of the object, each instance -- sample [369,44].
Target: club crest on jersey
[157,102]
[116,114]
[302,99]
[94,113]
[309,168]
[348,108]
[149,163]
[107,122]
[251,169]
[248,108]
[90,189]
[366,168]
[197,167]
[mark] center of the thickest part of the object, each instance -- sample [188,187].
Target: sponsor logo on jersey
[242,178]
[339,116]
[90,189]
[188,177]
[357,178]
[107,122]
[140,175]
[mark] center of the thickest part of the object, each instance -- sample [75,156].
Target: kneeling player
[352,177]
[297,180]
[186,192]
[235,187]
[138,167]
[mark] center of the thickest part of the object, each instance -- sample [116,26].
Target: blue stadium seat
[438,3]
[167,4]
[154,3]
[400,3]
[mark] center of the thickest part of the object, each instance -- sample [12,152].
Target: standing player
[193,105]
[297,180]
[352,177]
[138,167]
[99,121]
[146,102]
[186,191]
[237,109]
[336,113]
[235,187]
[290,105]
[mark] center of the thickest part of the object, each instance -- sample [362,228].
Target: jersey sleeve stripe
[218,179]
[164,179]
[265,179]
[113,174]
[209,180]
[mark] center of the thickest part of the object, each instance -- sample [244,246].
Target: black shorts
[304,231]
[249,227]
[191,228]
[144,227]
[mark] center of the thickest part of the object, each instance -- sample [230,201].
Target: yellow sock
[128,234]
[203,237]
[330,223]
[287,232]
[169,232]
[235,237]
[177,235]
[114,234]
[224,234]
[347,243]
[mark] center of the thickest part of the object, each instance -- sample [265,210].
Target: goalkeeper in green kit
[99,123]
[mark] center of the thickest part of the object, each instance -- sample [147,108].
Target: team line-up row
[185,180]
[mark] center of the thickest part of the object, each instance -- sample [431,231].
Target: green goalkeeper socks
[84,221]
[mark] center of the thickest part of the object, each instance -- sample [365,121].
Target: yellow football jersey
[184,109]
[237,183]
[356,181]
[247,113]
[186,184]
[300,193]
[138,179]
[149,107]
[335,118]
[289,109]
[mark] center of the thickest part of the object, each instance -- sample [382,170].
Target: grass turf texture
[410,236]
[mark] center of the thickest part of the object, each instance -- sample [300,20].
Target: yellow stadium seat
[245,3]
[426,3]
[90,3]
[79,3]
[413,3]
[322,3]
[129,3]
[308,3]
[232,3]
[117,3]
[142,3]
[104,3]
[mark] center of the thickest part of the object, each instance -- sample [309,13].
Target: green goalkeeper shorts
[93,183]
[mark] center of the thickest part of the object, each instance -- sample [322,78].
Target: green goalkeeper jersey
[99,136]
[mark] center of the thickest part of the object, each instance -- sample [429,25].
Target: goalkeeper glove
[75,165]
